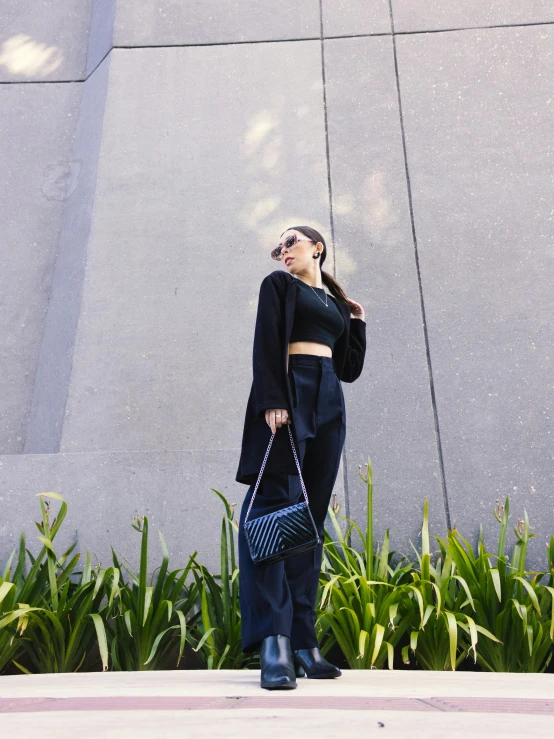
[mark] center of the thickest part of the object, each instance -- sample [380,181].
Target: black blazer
[271,385]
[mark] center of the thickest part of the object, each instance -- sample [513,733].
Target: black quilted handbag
[282,533]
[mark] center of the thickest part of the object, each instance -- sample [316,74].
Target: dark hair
[327,279]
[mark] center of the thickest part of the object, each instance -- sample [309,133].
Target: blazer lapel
[290,303]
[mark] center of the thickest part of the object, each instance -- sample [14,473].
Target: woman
[306,341]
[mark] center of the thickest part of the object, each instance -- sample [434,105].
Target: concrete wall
[54,40]
[153,154]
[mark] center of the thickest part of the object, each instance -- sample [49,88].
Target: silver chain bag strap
[282,533]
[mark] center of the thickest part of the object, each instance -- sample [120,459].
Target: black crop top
[313,321]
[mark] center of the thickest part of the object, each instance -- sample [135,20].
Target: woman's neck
[310,280]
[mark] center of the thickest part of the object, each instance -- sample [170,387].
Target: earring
[316,256]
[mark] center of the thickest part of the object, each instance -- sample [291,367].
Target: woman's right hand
[276,417]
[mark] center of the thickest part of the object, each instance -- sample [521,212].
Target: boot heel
[313,664]
[299,670]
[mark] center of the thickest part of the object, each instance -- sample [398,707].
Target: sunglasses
[289,243]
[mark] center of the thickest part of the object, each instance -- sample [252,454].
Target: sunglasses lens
[288,244]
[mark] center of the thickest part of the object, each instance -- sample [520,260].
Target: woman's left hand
[357,310]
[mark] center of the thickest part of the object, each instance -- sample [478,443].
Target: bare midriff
[309,347]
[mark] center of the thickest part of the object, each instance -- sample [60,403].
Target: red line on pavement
[275,701]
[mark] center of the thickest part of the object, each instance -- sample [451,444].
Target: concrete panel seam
[58,82]
[471,28]
[377,34]
[275,41]
[251,41]
[332,222]
[420,285]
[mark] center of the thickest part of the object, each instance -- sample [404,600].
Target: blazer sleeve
[270,390]
[355,352]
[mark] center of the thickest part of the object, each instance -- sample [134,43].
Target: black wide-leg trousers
[279,598]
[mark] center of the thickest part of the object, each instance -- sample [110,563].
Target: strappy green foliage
[462,606]
[216,636]
[366,603]
[502,601]
[57,631]
[435,611]
[148,619]
[445,634]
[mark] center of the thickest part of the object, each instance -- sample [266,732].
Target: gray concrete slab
[390,416]
[104,491]
[140,239]
[205,156]
[37,128]
[54,40]
[44,41]
[101,33]
[53,371]
[203,164]
[179,22]
[479,128]
[421,15]
[355,17]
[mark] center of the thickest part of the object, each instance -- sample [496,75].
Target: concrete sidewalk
[228,703]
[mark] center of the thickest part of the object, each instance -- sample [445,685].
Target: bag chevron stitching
[281,533]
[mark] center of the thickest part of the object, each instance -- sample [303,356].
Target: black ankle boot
[311,662]
[277,666]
